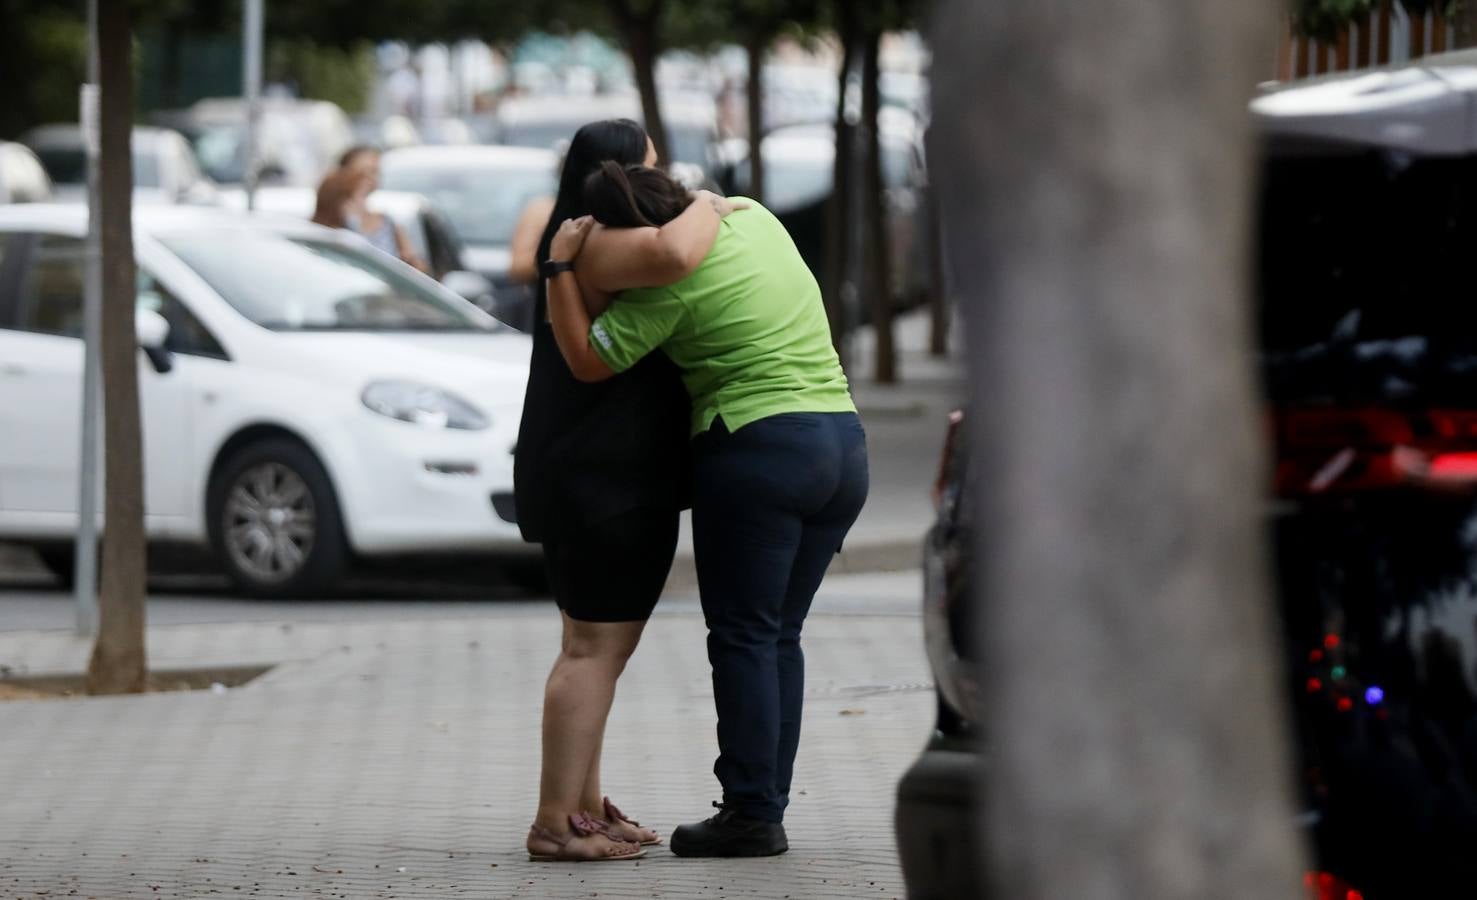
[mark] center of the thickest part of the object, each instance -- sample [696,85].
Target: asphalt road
[33,603]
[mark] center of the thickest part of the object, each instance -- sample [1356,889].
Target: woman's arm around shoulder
[618,259]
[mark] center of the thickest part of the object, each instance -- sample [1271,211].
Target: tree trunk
[755,46]
[639,32]
[838,207]
[879,245]
[938,282]
[1463,29]
[117,664]
[1098,164]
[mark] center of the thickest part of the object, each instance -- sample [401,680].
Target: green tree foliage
[342,74]
[1324,19]
[43,57]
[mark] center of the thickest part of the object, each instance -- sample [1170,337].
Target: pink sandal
[584,827]
[614,815]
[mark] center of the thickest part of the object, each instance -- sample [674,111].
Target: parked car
[1368,357]
[433,238]
[297,140]
[938,839]
[482,191]
[306,400]
[550,123]
[1369,353]
[22,178]
[164,167]
[446,131]
[387,132]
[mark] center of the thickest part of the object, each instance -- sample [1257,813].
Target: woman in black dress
[601,477]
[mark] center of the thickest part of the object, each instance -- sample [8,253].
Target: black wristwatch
[549,268]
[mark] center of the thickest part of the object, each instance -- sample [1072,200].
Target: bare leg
[592,800]
[577,702]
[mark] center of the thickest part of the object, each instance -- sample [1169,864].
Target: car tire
[274,521]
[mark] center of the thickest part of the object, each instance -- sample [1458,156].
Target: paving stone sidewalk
[399,759]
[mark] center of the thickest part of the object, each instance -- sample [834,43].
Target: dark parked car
[937,838]
[1368,351]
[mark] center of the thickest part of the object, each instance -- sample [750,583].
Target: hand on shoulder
[722,205]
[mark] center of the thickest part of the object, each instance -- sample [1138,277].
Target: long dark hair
[620,140]
[632,196]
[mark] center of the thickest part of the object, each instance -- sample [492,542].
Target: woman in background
[343,202]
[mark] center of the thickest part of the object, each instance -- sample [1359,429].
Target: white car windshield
[483,203]
[301,284]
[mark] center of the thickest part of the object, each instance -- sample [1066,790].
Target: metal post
[251,76]
[85,571]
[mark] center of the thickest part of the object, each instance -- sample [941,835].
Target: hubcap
[270,523]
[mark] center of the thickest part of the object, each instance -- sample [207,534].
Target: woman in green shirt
[779,465]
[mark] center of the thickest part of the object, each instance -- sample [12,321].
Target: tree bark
[1098,164]
[939,298]
[639,32]
[838,207]
[879,251]
[117,665]
[755,46]
[1463,29]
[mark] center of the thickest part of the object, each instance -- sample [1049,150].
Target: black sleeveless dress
[600,475]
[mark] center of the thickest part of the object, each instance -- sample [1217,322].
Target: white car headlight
[422,404]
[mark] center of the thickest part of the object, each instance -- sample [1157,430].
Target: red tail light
[946,459]
[1327,886]
[1309,428]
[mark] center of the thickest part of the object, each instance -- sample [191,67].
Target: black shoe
[730,834]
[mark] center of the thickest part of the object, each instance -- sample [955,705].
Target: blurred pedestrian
[364,159]
[600,476]
[779,460]
[527,234]
[343,202]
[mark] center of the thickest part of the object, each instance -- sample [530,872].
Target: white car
[431,236]
[306,399]
[22,179]
[164,166]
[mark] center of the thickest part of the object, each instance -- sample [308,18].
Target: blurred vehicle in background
[297,140]
[385,132]
[22,178]
[934,820]
[482,191]
[551,121]
[799,168]
[798,95]
[446,131]
[306,399]
[432,237]
[164,168]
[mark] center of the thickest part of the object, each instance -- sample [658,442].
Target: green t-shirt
[748,329]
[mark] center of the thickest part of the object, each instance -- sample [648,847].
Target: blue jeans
[771,505]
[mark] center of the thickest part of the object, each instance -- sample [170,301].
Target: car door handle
[11,370]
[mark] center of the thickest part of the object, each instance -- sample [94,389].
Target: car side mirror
[152,332]
[471,285]
[151,328]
